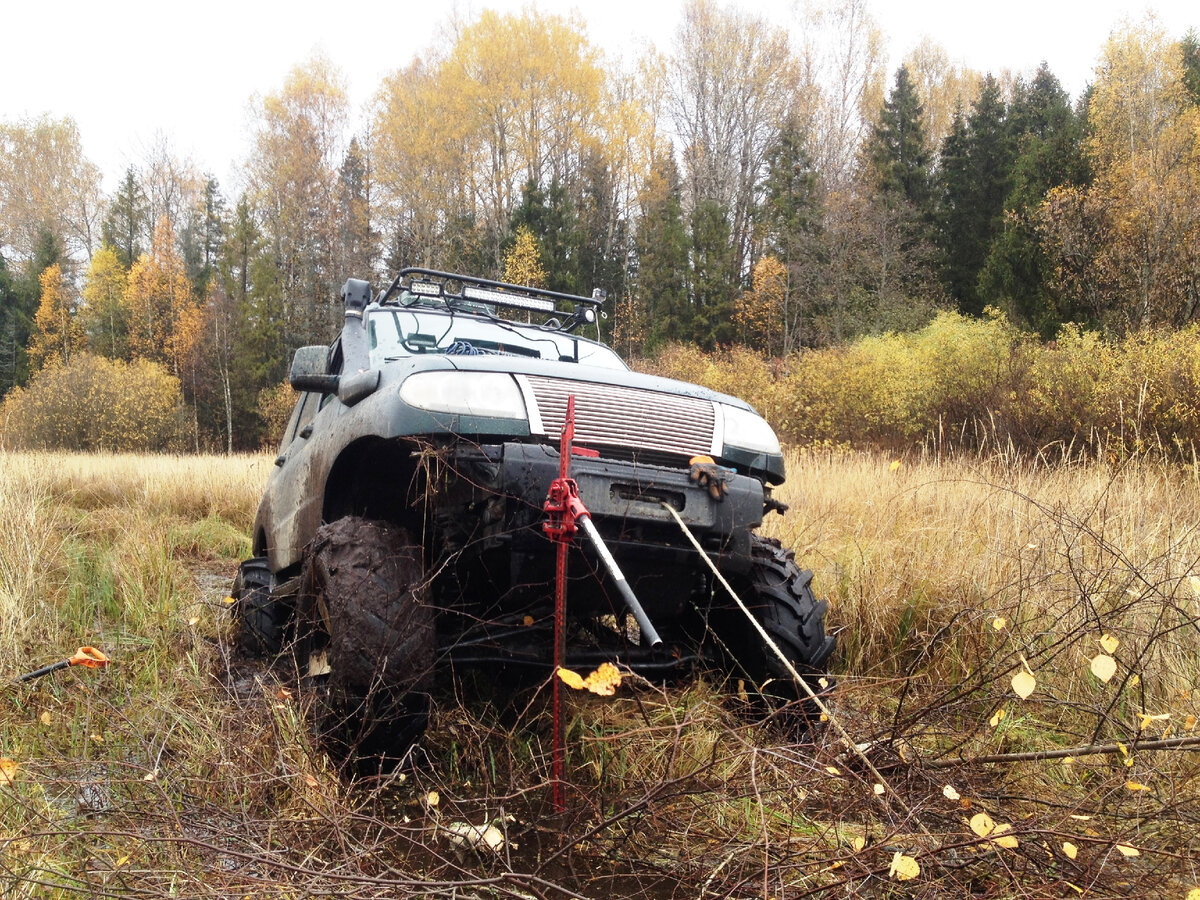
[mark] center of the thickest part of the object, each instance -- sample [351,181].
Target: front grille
[626,417]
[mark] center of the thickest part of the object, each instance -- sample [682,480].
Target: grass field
[180,771]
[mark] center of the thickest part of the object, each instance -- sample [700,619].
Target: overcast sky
[130,70]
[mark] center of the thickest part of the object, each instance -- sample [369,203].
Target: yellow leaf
[604,681]
[997,717]
[528,620]
[1124,750]
[1190,722]
[1135,786]
[1077,890]
[1068,760]
[823,682]
[1129,762]
[949,793]
[1194,893]
[433,798]
[98,738]
[150,776]
[833,770]
[194,620]
[824,717]
[122,861]
[229,601]
[45,718]
[1147,720]
[878,789]
[1109,644]
[895,465]
[1070,849]
[1104,667]
[1080,818]
[311,781]
[8,771]
[858,843]
[982,824]
[999,623]
[1008,842]
[904,868]
[1135,680]
[1023,684]
[1126,850]
[571,679]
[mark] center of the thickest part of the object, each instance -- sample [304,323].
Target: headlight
[488,394]
[749,431]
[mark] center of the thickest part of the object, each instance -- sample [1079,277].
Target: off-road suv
[401,532]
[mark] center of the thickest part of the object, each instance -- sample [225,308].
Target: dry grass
[177,772]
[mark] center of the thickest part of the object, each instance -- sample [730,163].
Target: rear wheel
[779,594]
[261,620]
[365,593]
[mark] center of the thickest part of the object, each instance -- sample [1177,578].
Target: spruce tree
[662,255]
[896,154]
[127,221]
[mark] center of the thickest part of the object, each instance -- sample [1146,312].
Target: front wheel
[365,595]
[261,619]
[779,594]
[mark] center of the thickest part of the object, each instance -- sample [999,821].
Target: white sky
[128,71]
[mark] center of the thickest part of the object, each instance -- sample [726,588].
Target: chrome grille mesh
[626,417]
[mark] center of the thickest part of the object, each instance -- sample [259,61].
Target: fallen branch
[1086,750]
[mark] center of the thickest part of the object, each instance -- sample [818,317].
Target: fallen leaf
[1124,750]
[229,601]
[858,843]
[1135,680]
[982,824]
[45,718]
[8,771]
[999,623]
[1076,889]
[1108,643]
[1126,850]
[283,694]
[949,793]
[433,798]
[1008,841]
[1070,849]
[122,861]
[98,738]
[528,620]
[1193,894]
[193,621]
[1068,760]
[997,717]
[1135,786]
[1190,722]
[1031,546]
[1104,667]
[904,868]
[150,776]
[833,770]
[895,465]
[823,681]
[311,781]
[1080,818]
[824,717]
[1023,684]
[878,789]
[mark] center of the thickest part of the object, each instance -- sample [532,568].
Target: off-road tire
[780,595]
[262,622]
[365,593]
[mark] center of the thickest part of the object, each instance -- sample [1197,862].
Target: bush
[95,404]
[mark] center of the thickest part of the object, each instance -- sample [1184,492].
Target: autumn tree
[523,262]
[942,87]
[47,182]
[57,334]
[733,80]
[158,298]
[298,148]
[104,313]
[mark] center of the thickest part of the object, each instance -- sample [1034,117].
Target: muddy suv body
[430,428]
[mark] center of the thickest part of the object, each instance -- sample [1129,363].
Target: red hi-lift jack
[565,515]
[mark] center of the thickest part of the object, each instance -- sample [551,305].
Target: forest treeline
[755,183]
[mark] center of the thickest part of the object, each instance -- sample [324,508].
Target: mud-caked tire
[365,594]
[779,594]
[262,621]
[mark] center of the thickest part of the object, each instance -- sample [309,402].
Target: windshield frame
[438,331]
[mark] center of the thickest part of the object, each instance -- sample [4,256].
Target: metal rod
[649,633]
[45,670]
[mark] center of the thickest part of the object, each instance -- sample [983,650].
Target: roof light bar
[425,288]
[500,298]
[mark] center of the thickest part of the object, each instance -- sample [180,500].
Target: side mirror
[310,371]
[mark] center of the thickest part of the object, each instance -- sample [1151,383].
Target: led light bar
[425,288]
[500,298]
